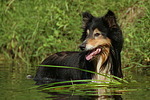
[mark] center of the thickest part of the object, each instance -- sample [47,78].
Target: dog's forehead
[97,23]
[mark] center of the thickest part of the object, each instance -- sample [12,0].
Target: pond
[15,86]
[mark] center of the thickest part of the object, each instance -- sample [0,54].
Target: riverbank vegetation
[30,30]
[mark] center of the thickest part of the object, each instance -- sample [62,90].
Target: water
[15,86]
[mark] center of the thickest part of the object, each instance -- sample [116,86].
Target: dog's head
[96,33]
[102,35]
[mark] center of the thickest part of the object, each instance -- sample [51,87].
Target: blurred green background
[30,30]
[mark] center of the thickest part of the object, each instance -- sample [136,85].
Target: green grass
[88,88]
[136,51]
[32,29]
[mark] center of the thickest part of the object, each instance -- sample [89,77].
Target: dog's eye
[97,34]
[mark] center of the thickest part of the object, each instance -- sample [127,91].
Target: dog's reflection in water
[90,94]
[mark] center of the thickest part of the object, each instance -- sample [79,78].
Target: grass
[111,77]
[137,36]
[32,29]
[86,88]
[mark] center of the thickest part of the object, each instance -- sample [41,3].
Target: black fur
[109,28]
[71,59]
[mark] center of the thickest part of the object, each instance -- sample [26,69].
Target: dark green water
[15,86]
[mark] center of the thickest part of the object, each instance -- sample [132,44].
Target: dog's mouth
[92,53]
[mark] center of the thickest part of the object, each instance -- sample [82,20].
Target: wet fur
[107,62]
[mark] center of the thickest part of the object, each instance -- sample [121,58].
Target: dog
[101,46]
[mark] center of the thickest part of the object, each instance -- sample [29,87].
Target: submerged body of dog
[102,44]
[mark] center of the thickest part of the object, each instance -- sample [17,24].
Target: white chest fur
[102,69]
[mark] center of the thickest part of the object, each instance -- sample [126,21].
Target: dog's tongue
[93,53]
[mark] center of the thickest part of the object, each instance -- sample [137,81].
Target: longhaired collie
[101,46]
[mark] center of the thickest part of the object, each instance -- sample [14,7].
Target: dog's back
[71,59]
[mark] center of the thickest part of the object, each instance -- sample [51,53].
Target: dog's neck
[102,64]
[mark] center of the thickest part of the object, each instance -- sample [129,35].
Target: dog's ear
[87,17]
[110,19]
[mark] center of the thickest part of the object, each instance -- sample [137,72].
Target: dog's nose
[82,46]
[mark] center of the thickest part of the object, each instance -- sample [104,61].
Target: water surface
[15,86]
